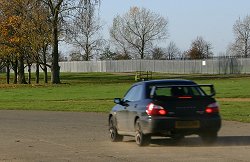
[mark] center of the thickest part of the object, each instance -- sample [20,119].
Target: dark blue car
[169,108]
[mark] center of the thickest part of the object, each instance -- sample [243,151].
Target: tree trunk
[87,50]
[55,68]
[45,74]
[55,74]
[8,72]
[29,73]
[21,75]
[45,70]
[246,48]
[142,49]
[37,73]
[15,64]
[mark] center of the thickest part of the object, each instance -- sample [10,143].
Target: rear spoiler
[211,86]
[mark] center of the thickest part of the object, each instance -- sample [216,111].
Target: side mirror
[117,100]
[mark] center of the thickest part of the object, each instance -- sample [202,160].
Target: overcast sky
[211,19]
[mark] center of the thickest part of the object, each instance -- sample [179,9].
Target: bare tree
[241,29]
[84,30]
[121,45]
[138,29]
[172,51]
[55,8]
[59,10]
[200,49]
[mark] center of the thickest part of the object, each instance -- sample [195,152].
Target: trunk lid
[185,106]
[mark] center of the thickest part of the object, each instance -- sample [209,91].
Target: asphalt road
[38,136]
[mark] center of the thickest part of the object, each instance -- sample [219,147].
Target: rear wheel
[140,138]
[113,134]
[209,137]
[178,137]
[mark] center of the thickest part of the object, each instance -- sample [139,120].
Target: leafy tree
[75,56]
[200,49]
[42,39]
[137,30]
[24,30]
[194,53]
[122,57]
[158,53]
[107,54]
[16,28]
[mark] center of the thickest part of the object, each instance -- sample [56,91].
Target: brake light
[153,109]
[212,108]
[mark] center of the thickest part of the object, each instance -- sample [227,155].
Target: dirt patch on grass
[234,99]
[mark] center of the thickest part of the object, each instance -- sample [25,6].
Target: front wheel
[140,138]
[113,134]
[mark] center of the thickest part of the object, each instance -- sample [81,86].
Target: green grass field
[94,92]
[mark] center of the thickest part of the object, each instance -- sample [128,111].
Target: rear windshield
[176,91]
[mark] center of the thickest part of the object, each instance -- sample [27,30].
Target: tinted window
[169,91]
[134,94]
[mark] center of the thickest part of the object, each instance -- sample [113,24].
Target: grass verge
[236,111]
[94,92]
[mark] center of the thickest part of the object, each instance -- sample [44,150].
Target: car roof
[167,82]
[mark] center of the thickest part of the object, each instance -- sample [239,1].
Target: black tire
[209,137]
[140,138]
[178,138]
[113,134]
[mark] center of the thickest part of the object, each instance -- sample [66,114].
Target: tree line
[137,33]
[30,32]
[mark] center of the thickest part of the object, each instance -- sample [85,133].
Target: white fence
[210,66]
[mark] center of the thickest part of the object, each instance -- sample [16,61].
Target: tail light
[153,109]
[212,108]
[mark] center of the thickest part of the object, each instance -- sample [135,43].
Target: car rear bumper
[167,125]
